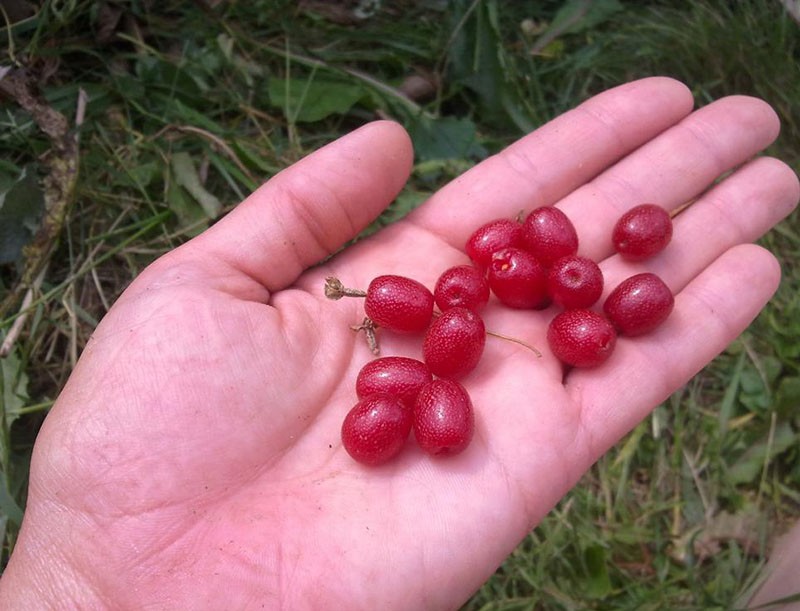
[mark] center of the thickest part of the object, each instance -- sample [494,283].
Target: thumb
[309,210]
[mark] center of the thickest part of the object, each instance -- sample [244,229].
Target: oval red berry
[396,375]
[639,304]
[398,303]
[491,237]
[642,232]
[581,338]
[444,420]
[517,279]
[376,428]
[550,235]
[462,286]
[454,343]
[575,282]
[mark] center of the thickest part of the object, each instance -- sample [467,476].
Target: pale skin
[193,459]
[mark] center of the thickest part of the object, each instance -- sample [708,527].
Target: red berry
[376,429]
[581,338]
[491,237]
[575,282]
[639,304]
[550,235]
[444,421]
[462,286]
[399,303]
[517,278]
[396,375]
[454,343]
[642,232]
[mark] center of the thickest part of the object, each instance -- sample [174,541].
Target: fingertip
[668,86]
[395,143]
[754,113]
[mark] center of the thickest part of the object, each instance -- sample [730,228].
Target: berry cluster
[530,264]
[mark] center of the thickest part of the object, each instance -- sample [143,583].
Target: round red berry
[581,338]
[395,375]
[454,343]
[444,421]
[550,235]
[491,237]
[639,304]
[517,278]
[462,286]
[399,303]
[642,232]
[376,429]
[575,282]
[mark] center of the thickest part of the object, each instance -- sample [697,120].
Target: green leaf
[313,99]
[9,508]
[599,584]
[21,206]
[14,394]
[787,397]
[138,175]
[580,15]
[189,214]
[750,465]
[15,387]
[187,177]
[475,56]
[445,138]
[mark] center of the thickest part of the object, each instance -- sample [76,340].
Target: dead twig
[58,184]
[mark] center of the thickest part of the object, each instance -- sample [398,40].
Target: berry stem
[508,338]
[676,211]
[368,327]
[334,289]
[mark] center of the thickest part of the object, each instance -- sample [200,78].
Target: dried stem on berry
[368,327]
[676,211]
[334,289]
[508,338]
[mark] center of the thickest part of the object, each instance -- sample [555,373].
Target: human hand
[193,460]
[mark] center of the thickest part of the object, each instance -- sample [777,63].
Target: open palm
[194,461]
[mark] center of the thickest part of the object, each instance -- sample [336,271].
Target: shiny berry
[642,232]
[376,429]
[454,343]
[575,282]
[461,286]
[491,237]
[639,304]
[581,338]
[396,375]
[399,303]
[550,235]
[444,421]
[517,278]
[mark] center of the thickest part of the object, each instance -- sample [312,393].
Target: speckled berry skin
[454,343]
[642,232]
[639,304]
[376,429]
[444,419]
[581,338]
[461,286]
[395,375]
[491,237]
[399,303]
[550,235]
[575,282]
[517,279]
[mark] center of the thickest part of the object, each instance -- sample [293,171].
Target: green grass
[190,108]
